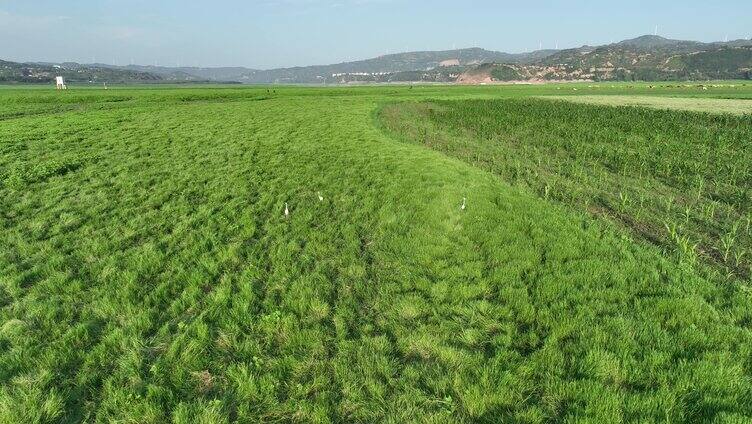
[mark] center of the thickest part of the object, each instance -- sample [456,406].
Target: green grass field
[149,274]
[678,179]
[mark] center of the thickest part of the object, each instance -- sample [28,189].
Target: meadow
[678,179]
[149,272]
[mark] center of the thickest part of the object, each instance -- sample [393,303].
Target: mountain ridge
[647,57]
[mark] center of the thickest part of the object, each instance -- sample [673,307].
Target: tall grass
[148,274]
[677,179]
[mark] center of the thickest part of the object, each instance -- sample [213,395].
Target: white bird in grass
[287,211]
[464,204]
[321,198]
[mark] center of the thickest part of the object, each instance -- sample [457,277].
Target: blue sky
[274,33]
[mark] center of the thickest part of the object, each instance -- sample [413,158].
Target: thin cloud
[30,22]
[127,33]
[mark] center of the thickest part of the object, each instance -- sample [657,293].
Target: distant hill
[12,72]
[655,42]
[390,64]
[226,74]
[646,58]
[438,66]
[411,66]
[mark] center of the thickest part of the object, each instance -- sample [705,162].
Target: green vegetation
[12,72]
[674,178]
[654,58]
[722,62]
[148,272]
[505,73]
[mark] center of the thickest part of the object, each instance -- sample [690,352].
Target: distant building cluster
[360,74]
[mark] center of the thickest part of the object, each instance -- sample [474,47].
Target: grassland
[148,272]
[677,179]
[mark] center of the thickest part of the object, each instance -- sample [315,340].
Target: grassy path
[148,273]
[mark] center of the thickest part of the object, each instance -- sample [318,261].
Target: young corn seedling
[739,257]
[710,210]
[685,248]
[669,203]
[687,214]
[727,242]
[623,199]
[700,187]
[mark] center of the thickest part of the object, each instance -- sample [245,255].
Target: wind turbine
[656,30]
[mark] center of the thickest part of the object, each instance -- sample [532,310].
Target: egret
[287,211]
[464,204]
[321,198]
